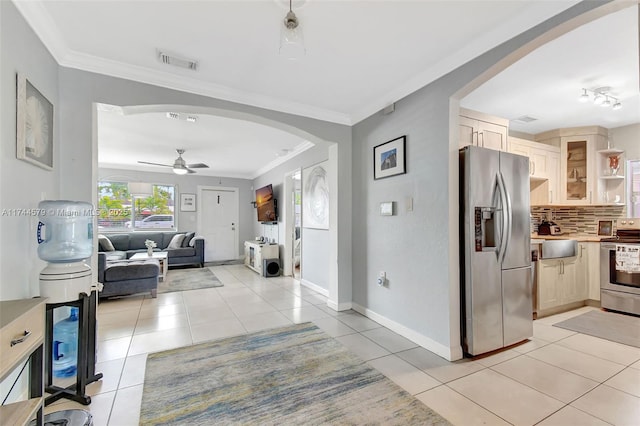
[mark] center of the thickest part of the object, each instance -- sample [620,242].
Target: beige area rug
[295,375]
[612,326]
[188,279]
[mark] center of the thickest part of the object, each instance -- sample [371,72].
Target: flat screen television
[267,205]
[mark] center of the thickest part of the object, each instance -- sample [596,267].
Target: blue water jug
[65,346]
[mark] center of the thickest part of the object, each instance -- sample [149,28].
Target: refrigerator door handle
[506,217]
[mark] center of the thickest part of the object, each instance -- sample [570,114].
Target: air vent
[184,117]
[524,119]
[177,61]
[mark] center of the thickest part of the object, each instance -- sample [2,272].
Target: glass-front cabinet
[581,180]
[577,171]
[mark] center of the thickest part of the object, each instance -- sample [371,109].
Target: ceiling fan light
[180,170]
[606,103]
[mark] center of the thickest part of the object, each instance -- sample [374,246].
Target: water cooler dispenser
[65,240]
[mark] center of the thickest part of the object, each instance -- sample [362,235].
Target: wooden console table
[22,338]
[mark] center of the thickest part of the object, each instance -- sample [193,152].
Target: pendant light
[291,39]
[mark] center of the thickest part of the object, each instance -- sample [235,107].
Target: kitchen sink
[552,249]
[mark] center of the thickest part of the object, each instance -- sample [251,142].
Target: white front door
[218,223]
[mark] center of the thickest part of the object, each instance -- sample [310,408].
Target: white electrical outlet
[382,278]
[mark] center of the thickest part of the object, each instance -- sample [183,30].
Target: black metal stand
[87,306]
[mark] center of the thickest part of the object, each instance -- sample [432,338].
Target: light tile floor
[558,378]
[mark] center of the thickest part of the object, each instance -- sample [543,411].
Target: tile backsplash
[581,220]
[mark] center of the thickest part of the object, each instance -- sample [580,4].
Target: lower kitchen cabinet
[559,283]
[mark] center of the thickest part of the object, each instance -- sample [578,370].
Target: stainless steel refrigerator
[495,251]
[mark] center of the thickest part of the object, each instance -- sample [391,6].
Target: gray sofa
[123,277]
[128,244]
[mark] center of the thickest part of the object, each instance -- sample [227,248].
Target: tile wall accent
[581,220]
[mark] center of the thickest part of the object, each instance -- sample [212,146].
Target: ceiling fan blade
[198,166]
[191,171]
[155,164]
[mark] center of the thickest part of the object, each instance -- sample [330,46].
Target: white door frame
[199,213]
[288,221]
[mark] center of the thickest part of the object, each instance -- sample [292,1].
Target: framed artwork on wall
[605,228]
[34,121]
[315,196]
[389,158]
[187,202]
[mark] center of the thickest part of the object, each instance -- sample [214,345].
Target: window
[633,191]
[119,210]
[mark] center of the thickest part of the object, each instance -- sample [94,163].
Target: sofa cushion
[137,239]
[120,241]
[119,271]
[104,243]
[182,252]
[176,241]
[187,238]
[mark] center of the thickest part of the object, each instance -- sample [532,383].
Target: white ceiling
[361,57]
[546,83]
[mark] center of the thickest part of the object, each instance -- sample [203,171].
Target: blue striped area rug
[296,375]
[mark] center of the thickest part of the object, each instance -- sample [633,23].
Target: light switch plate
[386,208]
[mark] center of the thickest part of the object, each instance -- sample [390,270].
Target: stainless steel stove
[620,268]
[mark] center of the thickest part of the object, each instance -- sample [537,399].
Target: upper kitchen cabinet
[544,169]
[479,129]
[580,182]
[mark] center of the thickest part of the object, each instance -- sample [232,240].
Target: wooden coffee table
[161,256]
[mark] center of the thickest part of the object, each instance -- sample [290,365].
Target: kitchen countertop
[578,237]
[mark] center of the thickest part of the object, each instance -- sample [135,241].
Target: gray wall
[315,242]
[22,185]
[418,249]
[627,138]
[187,221]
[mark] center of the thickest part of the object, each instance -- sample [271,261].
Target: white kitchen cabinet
[580,182]
[255,253]
[544,167]
[482,130]
[558,283]
[593,270]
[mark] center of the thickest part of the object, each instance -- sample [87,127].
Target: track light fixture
[601,97]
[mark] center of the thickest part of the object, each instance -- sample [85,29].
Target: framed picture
[34,125]
[389,158]
[187,202]
[315,196]
[605,227]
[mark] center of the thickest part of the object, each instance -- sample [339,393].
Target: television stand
[256,252]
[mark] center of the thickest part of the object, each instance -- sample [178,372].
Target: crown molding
[40,21]
[281,160]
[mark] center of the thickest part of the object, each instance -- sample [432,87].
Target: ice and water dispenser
[485,229]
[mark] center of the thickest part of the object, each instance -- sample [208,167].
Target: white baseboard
[339,306]
[315,287]
[448,353]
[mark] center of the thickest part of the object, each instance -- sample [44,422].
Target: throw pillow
[105,244]
[192,243]
[176,241]
[187,238]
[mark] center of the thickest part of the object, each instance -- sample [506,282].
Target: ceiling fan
[180,167]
